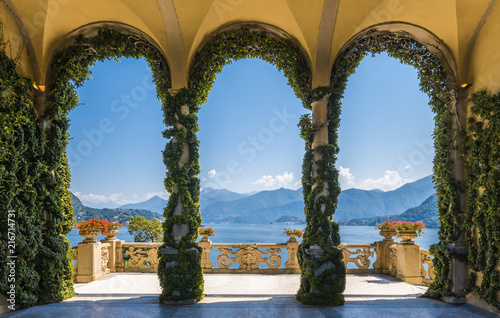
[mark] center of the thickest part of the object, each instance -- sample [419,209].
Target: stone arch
[246,44]
[421,35]
[92,30]
[438,76]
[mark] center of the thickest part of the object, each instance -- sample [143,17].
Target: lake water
[273,233]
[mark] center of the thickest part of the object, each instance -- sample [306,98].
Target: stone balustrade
[427,268]
[137,257]
[405,261]
[251,257]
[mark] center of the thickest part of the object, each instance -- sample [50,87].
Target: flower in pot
[206,232]
[110,229]
[293,233]
[408,230]
[387,229]
[90,229]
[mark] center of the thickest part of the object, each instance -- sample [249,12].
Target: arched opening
[114,151]
[69,70]
[438,81]
[385,168]
[250,158]
[385,141]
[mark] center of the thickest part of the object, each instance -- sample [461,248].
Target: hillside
[355,203]
[155,204]
[84,212]
[286,219]
[211,195]
[426,212]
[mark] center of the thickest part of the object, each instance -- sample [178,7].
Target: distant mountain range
[83,212]
[269,206]
[224,206]
[425,212]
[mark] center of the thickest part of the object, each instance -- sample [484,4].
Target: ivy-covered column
[322,268]
[482,222]
[180,270]
[56,255]
[21,151]
[459,270]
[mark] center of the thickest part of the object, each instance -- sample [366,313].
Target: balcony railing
[137,257]
[407,262]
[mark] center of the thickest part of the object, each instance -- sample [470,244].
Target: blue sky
[249,139]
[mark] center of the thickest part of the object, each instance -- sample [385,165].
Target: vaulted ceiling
[319,27]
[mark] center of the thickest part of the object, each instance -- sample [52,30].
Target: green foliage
[145,230]
[21,183]
[122,215]
[482,221]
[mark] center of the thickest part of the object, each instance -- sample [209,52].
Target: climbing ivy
[21,170]
[181,270]
[482,221]
[70,69]
[432,76]
[322,276]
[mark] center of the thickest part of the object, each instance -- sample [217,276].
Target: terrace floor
[248,295]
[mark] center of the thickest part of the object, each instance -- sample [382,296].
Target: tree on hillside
[144,230]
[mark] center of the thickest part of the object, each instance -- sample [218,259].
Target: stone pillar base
[180,302]
[453,300]
[88,278]
[89,262]
[409,263]
[4,305]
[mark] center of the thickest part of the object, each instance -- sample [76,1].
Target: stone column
[383,264]
[118,255]
[320,260]
[112,252]
[206,245]
[459,270]
[291,246]
[89,262]
[180,269]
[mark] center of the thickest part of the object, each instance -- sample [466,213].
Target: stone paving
[248,295]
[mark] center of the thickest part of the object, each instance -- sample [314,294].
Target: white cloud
[99,199]
[212,174]
[347,176]
[276,181]
[406,167]
[162,194]
[390,181]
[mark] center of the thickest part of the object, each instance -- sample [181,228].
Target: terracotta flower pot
[89,235]
[388,234]
[407,236]
[111,234]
